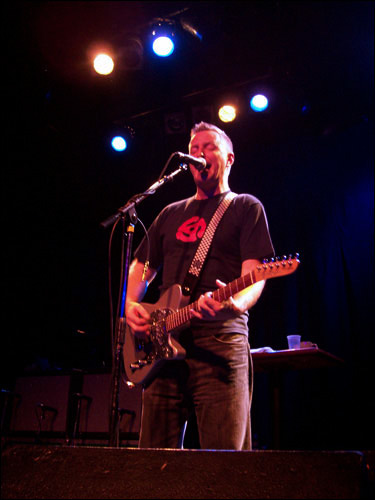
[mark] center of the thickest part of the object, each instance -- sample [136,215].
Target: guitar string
[183,315]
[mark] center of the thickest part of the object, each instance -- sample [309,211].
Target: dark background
[309,159]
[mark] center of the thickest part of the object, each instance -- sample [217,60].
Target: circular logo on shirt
[191,230]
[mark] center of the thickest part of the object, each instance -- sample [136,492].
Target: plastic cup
[294,341]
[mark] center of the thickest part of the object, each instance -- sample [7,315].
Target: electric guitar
[143,358]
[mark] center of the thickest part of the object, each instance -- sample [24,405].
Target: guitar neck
[184,315]
[263,271]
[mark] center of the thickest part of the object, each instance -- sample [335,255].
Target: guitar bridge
[140,363]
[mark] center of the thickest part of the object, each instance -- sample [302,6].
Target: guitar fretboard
[184,315]
[263,271]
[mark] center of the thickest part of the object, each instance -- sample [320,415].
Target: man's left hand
[209,308]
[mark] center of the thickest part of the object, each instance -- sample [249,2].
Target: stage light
[103,64]
[120,137]
[259,103]
[163,46]
[131,53]
[162,37]
[175,123]
[227,113]
[119,143]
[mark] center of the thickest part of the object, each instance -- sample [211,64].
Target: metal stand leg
[42,416]
[77,420]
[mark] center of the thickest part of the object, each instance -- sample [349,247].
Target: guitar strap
[196,265]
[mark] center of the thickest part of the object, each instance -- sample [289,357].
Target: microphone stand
[126,210]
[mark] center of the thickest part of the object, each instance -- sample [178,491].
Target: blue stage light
[163,46]
[118,143]
[259,103]
[162,37]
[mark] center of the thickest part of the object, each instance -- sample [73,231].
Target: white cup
[294,341]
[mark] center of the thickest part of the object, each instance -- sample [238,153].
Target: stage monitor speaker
[92,472]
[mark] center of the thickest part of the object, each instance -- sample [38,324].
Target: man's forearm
[245,300]
[137,282]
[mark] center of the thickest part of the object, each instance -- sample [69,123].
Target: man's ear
[230,159]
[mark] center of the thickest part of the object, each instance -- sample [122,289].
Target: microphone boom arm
[134,200]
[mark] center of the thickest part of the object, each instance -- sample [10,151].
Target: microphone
[199,163]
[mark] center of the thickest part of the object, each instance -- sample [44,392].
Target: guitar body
[143,358]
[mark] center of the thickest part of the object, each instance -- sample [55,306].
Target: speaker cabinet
[98,389]
[91,472]
[75,406]
[42,404]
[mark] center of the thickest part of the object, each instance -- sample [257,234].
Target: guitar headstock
[278,266]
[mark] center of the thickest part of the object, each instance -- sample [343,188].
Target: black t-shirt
[177,231]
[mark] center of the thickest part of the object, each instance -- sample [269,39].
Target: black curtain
[320,203]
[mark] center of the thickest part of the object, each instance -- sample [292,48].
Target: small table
[289,359]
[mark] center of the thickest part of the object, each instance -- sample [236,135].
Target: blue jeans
[214,380]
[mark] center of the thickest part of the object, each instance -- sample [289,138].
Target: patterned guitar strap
[196,265]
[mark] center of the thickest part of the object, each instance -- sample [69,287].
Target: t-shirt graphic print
[191,230]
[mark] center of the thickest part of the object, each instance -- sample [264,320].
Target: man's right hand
[138,319]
